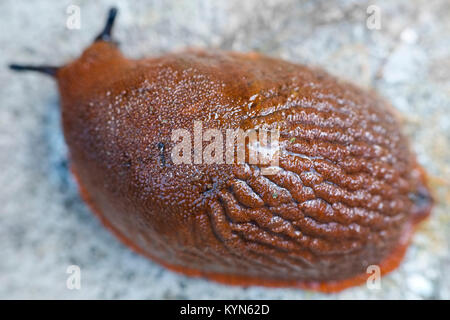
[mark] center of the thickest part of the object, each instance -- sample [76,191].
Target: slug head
[93,71]
[104,47]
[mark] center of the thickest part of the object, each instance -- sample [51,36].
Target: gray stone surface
[44,226]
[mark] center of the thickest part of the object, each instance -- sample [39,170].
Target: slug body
[347,194]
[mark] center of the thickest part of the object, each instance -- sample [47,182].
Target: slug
[346,194]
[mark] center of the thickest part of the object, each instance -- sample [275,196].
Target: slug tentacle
[49,70]
[105,35]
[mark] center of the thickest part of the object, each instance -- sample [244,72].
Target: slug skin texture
[348,192]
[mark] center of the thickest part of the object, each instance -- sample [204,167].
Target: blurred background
[401,48]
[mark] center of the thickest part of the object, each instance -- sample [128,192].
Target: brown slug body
[347,194]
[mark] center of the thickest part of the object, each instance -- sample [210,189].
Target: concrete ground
[45,227]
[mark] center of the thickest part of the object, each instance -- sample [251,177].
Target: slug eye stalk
[49,70]
[105,35]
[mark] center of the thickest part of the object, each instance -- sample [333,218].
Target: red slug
[346,194]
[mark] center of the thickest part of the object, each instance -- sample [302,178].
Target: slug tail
[105,35]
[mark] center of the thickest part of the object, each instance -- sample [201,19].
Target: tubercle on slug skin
[350,191]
